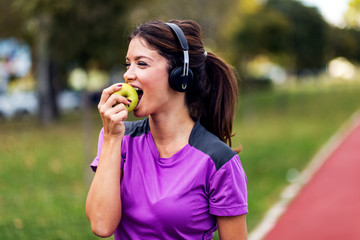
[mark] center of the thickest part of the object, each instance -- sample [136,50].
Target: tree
[293,34]
[264,32]
[10,22]
[342,42]
[215,17]
[352,15]
[71,32]
[307,40]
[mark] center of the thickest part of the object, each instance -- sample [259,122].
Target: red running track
[328,207]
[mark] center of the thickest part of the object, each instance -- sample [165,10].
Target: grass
[42,184]
[281,131]
[42,176]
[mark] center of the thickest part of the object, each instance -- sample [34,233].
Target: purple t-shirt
[177,197]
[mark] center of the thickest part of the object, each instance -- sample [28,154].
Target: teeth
[138,90]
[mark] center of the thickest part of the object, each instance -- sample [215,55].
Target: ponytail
[222,99]
[218,98]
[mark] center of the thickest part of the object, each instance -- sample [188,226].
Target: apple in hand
[130,93]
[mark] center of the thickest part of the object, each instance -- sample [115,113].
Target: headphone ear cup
[175,79]
[178,82]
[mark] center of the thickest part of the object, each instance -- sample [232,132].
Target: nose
[129,75]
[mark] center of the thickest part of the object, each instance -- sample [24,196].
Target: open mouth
[139,92]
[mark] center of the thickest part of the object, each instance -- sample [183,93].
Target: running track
[327,207]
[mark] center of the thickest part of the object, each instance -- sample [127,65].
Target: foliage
[93,33]
[215,17]
[264,32]
[91,30]
[308,33]
[81,31]
[352,16]
[65,34]
[10,22]
[343,42]
[288,28]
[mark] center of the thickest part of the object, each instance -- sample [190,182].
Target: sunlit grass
[282,131]
[42,182]
[42,173]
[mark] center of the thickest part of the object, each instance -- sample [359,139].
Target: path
[326,205]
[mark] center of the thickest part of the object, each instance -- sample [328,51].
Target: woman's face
[147,70]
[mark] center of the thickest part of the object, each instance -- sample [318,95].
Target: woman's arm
[103,203]
[232,228]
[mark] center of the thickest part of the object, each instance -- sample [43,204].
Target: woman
[171,175]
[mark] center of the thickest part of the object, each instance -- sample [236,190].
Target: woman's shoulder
[137,128]
[210,145]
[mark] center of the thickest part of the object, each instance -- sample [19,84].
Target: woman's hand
[113,111]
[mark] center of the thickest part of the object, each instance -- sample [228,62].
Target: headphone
[181,78]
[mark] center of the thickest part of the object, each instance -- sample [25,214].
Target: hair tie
[205,54]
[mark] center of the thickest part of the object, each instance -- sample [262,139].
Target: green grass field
[280,133]
[42,180]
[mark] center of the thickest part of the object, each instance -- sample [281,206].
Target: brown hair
[214,93]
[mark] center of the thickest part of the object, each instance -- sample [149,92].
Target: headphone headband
[185,47]
[180,35]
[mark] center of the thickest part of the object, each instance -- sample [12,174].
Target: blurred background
[298,69]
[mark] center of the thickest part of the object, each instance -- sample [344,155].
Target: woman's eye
[141,64]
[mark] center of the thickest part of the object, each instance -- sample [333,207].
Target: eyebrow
[140,57]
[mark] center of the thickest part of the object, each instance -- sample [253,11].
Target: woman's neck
[171,131]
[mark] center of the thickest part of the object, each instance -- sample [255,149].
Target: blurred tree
[293,34]
[215,17]
[235,21]
[308,35]
[67,33]
[264,32]
[10,22]
[92,31]
[218,19]
[352,15]
[356,34]
[342,42]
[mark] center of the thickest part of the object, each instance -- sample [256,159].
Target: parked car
[19,103]
[27,103]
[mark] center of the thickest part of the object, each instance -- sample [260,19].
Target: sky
[332,10]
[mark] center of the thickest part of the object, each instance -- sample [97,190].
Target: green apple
[130,93]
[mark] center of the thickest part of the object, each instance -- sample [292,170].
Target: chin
[137,113]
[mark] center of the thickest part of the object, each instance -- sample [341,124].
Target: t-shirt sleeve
[95,162]
[228,191]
